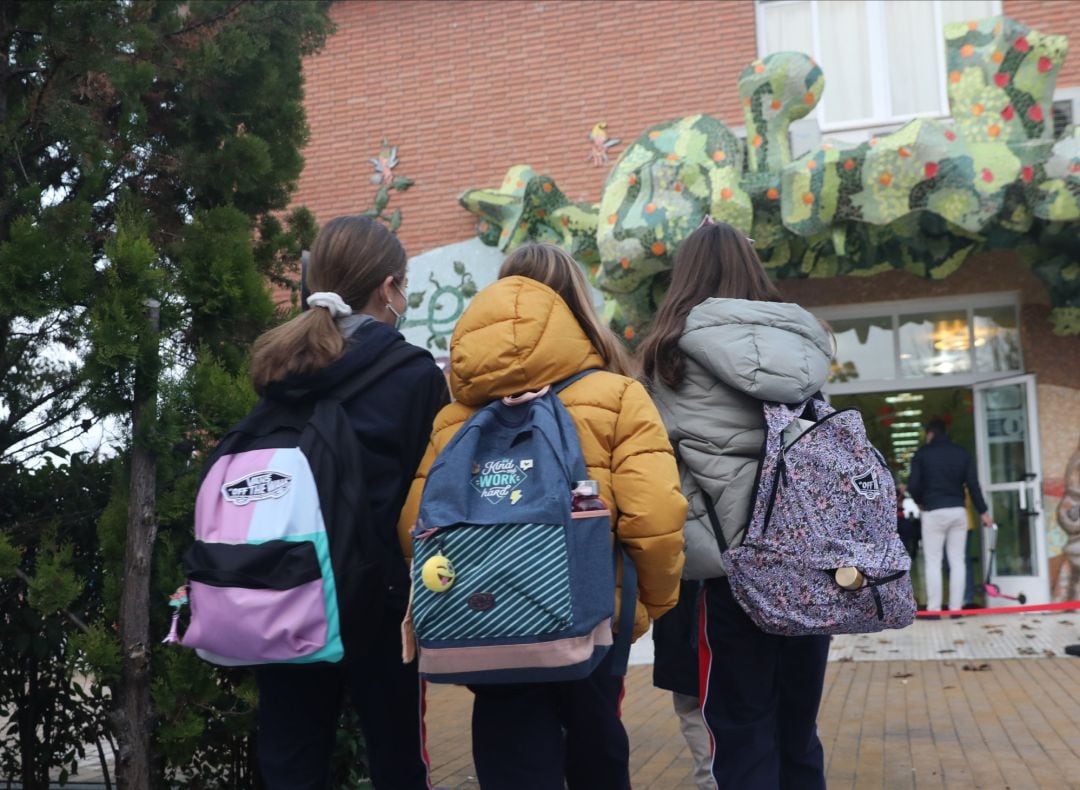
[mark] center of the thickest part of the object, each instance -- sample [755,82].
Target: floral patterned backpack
[821,554]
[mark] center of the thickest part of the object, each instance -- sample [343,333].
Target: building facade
[465,90]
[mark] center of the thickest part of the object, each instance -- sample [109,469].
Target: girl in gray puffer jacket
[723,341]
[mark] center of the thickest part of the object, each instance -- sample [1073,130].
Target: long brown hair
[553,267]
[714,260]
[351,257]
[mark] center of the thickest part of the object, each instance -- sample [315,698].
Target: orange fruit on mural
[484,227]
[632,179]
[678,186]
[565,221]
[524,225]
[977,109]
[808,198]
[808,98]
[628,333]
[759,68]
[954,77]
[519,183]
[972,24]
[726,193]
[811,165]
[993,130]
[719,156]
[624,262]
[658,248]
[849,164]
[756,142]
[904,153]
[650,208]
[967,50]
[653,135]
[547,186]
[998,56]
[541,213]
[885,179]
[873,141]
[773,193]
[612,219]
[775,104]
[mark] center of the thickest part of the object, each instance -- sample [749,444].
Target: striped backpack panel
[529,560]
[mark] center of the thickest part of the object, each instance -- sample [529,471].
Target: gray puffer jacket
[739,353]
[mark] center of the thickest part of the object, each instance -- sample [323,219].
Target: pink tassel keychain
[177,601]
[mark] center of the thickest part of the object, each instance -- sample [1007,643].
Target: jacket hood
[362,348]
[516,335]
[773,351]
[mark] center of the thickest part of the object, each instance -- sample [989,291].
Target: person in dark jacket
[940,470]
[357,273]
[676,668]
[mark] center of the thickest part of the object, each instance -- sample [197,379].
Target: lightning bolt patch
[515,496]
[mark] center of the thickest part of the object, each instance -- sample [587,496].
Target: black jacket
[939,472]
[392,419]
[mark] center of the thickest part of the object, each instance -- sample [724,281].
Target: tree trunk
[135,720]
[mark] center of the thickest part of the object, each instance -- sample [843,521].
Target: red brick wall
[467,88]
[1061,17]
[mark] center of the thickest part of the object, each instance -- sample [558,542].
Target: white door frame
[1035,587]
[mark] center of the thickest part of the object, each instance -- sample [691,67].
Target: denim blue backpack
[510,585]
[823,501]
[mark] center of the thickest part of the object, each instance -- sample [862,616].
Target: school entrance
[904,363]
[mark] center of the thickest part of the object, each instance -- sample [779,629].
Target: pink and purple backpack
[821,502]
[286,566]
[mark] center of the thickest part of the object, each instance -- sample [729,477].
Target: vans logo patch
[866,484]
[496,479]
[258,485]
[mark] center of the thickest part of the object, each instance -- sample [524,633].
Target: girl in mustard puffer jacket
[536,326]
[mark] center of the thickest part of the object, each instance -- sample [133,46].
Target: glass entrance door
[1007,438]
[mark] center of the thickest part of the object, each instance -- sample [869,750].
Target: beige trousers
[692,724]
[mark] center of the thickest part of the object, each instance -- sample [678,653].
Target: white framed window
[884,60]
[950,341]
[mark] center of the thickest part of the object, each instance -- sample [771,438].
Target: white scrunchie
[331,301]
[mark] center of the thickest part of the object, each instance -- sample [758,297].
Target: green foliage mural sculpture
[921,199]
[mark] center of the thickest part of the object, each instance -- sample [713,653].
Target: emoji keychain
[438,573]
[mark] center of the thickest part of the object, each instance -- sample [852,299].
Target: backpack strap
[398,355]
[714,520]
[557,388]
[620,649]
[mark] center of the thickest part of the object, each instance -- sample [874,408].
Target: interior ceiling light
[953,335]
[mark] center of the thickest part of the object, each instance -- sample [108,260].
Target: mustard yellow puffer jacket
[518,335]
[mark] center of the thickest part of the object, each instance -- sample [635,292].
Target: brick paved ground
[889,724]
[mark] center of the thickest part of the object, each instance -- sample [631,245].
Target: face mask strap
[399,318]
